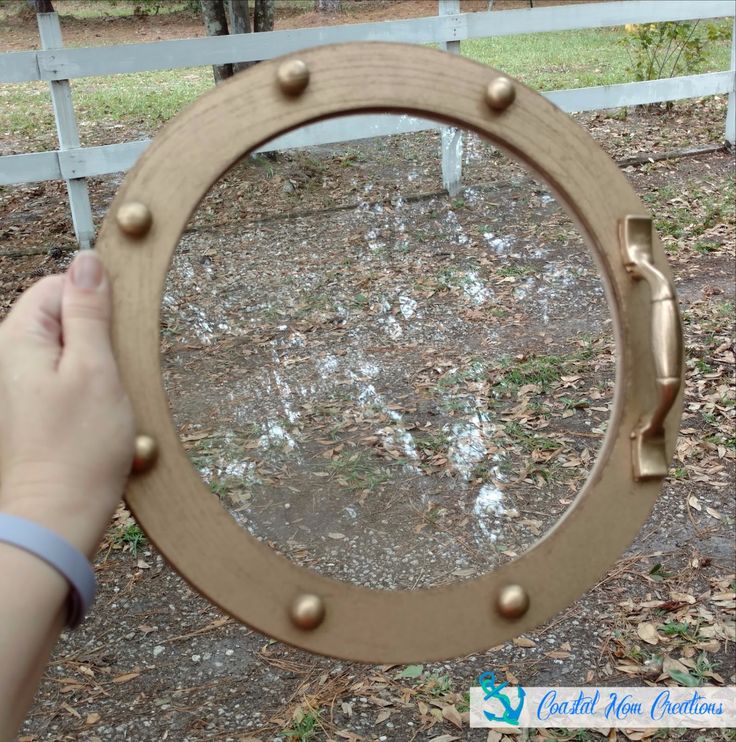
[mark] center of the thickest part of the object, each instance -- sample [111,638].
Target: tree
[42,6]
[263,15]
[328,6]
[239,15]
[233,16]
[215,23]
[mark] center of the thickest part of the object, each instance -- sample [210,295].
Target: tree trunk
[328,6]
[215,23]
[263,15]
[239,16]
[42,6]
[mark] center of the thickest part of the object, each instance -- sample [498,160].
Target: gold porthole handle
[649,455]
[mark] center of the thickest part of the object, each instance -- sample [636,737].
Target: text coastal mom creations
[624,706]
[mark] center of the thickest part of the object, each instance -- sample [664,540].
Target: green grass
[305,727]
[706,208]
[540,370]
[358,471]
[529,441]
[143,101]
[572,59]
[436,441]
[515,270]
[474,372]
[132,535]
[675,628]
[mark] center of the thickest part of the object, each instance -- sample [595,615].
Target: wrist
[77,518]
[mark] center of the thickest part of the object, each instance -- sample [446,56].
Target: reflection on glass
[388,384]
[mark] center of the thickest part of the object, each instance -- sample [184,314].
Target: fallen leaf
[92,718]
[125,678]
[682,597]
[555,655]
[452,715]
[70,688]
[522,641]
[412,671]
[464,572]
[710,646]
[381,702]
[647,632]
[636,736]
[383,715]
[684,678]
[631,669]
[70,710]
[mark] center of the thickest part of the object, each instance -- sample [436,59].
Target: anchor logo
[487,682]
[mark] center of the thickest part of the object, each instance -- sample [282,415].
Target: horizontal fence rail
[74,163]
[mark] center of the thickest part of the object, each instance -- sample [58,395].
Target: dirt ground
[402,389]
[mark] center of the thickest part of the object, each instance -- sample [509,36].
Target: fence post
[452,138]
[49,29]
[731,110]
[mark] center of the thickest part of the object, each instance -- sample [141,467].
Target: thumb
[86,308]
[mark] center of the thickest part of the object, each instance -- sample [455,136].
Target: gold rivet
[307,612]
[134,218]
[513,601]
[146,450]
[293,77]
[500,93]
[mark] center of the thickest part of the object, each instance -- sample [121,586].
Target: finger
[35,319]
[85,310]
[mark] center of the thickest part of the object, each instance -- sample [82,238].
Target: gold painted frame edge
[182,518]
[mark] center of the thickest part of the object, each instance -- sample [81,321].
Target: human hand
[66,423]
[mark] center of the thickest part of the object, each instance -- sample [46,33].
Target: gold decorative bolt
[513,601]
[134,218]
[500,93]
[293,77]
[307,612]
[146,451]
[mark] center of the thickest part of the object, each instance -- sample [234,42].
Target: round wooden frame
[246,578]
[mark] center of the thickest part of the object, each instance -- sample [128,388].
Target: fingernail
[86,271]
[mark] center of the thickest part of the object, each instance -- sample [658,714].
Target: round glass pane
[388,384]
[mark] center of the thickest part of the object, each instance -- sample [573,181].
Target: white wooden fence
[74,163]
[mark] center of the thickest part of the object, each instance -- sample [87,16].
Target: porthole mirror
[379,452]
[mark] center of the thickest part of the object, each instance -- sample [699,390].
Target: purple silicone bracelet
[59,554]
